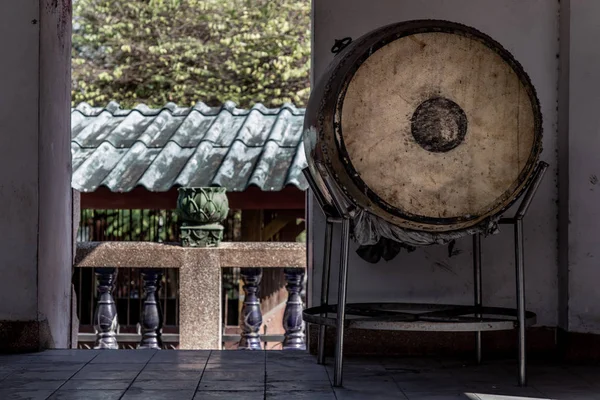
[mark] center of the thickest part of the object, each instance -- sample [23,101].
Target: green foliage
[124,225]
[184,51]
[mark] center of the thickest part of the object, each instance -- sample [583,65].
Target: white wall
[529,30]
[584,167]
[18,161]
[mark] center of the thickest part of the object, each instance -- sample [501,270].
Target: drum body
[429,125]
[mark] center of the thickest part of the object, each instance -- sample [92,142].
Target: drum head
[435,125]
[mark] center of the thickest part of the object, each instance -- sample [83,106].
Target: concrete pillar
[35,172]
[200,326]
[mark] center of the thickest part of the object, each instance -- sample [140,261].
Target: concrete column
[563,164]
[35,172]
[200,326]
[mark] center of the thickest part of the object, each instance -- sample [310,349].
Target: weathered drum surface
[431,125]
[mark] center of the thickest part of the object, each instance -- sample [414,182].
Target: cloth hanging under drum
[379,239]
[368,229]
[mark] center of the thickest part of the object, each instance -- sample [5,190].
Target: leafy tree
[123,225]
[184,51]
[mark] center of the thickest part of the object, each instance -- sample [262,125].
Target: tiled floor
[174,375]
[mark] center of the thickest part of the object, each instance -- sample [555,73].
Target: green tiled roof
[198,146]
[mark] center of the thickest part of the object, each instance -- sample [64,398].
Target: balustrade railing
[200,290]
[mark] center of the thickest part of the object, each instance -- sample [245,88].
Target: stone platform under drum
[249,375]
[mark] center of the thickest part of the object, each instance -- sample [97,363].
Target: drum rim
[380,38]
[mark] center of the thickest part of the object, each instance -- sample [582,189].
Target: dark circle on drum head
[439,125]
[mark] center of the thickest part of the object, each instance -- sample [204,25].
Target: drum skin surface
[430,125]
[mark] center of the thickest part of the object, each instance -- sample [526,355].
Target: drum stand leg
[341,306]
[478,288]
[519,262]
[517,223]
[325,289]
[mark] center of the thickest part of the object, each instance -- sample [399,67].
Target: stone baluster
[293,324]
[152,318]
[105,316]
[251,313]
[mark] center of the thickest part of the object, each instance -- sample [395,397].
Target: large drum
[429,126]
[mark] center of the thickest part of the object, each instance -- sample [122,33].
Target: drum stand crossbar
[419,317]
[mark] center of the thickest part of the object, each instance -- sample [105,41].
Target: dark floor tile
[31,384]
[433,386]
[409,363]
[232,386]
[575,385]
[15,359]
[508,390]
[41,375]
[51,367]
[181,357]
[165,367]
[368,379]
[87,395]
[101,384]
[108,371]
[165,384]
[358,368]
[240,357]
[67,352]
[308,374]
[106,375]
[222,395]
[227,375]
[170,375]
[137,367]
[285,395]
[59,357]
[124,356]
[564,395]
[450,396]
[5,374]
[371,385]
[12,367]
[346,394]
[136,394]
[234,366]
[290,355]
[18,394]
[291,385]
[274,365]
[241,375]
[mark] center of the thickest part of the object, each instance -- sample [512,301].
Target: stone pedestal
[202,210]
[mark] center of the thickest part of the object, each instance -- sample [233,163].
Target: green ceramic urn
[202,210]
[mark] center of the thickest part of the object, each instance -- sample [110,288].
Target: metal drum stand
[419,317]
